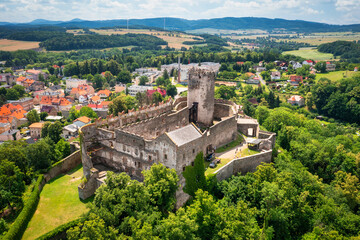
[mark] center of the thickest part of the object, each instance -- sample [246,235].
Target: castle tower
[201,95]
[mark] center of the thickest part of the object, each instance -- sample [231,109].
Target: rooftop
[184,135]
[37,125]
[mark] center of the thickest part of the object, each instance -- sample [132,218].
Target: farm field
[311,53]
[320,38]
[335,76]
[59,203]
[13,45]
[175,40]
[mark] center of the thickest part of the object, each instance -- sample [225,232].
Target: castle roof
[184,135]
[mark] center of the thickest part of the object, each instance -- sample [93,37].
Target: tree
[171,91]
[12,94]
[63,147]
[33,116]
[321,67]
[40,154]
[261,113]
[88,112]
[124,77]
[43,115]
[265,75]
[225,92]
[12,185]
[166,75]
[309,102]
[44,130]
[143,80]
[162,184]
[156,98]
[20,89]
[73,114]
[122,103]
[55,131]
[98,81]
[195,176]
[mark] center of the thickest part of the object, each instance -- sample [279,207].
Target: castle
[172,133]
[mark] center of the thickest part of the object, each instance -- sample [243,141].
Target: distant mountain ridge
[227,23]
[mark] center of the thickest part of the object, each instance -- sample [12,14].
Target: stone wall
[221,133]
[243,165]
[64,166]
[222,110]
[269,136]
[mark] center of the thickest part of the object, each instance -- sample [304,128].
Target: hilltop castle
[172,133]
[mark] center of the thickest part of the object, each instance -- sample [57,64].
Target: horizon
[336,12]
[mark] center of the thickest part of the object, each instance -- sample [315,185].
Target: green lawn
[311,53]
[59,203]
[231,145]
[335,76]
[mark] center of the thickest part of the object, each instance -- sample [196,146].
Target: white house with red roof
[308,62]
[296,100]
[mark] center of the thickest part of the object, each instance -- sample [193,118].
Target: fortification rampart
[243,165]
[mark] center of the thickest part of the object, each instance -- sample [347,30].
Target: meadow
[59,203]
[311,53]
[335,76]
[13,45]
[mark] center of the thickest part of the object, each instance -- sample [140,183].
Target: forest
[347,50]
[100,41]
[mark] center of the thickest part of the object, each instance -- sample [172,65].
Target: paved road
[261,79]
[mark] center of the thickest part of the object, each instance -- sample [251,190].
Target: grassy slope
[335,76]
[59,204]
[309,53]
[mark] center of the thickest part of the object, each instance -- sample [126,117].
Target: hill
[228,23]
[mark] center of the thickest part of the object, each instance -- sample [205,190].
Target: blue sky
[327,11]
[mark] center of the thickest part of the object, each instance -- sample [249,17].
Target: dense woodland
[267,42]
[347,50]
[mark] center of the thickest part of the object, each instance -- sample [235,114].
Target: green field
[311,53]
[335,76]
[59,203]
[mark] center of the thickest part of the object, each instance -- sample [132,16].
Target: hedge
[18,228]
[60,231]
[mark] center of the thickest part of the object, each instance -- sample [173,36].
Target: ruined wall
[64,165]
[243,165]
[243,128]
[268,135]
[222,110]
[221,133]
[154,127]
[201,90]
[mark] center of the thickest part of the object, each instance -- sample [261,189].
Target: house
[253,80]
[260,69]
[8,79]
[296,100]
[4,127]
[26,103]
[356,69]
[83,98]
[35,129]
[74,83]
[296,65]
[105,104]
[150,92]
[120,88]
[95,99]
[83,89]
[83,119]
[10,135]
[70,131]
[20,80]
[13,114]
[27,83]
[59,103]
[308,62]
[37,86]
[275,75]
[330,66]
[296,80]
[34,74]
[104,93]
[134,89]
[50,110]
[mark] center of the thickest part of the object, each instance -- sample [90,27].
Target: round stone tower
[201,95]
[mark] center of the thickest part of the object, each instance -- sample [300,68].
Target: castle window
[192,163]
[149,157]
[139,164]
[183,168]
[194,150]
[124,148]
[184,156]
[165,156]
[136,151]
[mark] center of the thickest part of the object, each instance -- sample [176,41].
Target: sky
[326,11]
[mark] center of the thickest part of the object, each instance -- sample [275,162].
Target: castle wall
[154,127]
[243,165]
[222,110]
[222,133]
[201,90]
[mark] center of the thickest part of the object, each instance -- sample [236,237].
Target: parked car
[210,157]
[214,163]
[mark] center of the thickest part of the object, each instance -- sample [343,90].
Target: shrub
[18,228]
[60,231]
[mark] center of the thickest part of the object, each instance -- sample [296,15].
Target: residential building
[85,120]
[330,66]
[10,135]
[26,103]
[296,80]
[35,129]
[34,74]
[104,93]
[308,62]
[150,92]
[37,86]
[296,100]
[275,75]
[253,80]
[134,89]
[74,83]
[120,88]
[80,90]
[70,131]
